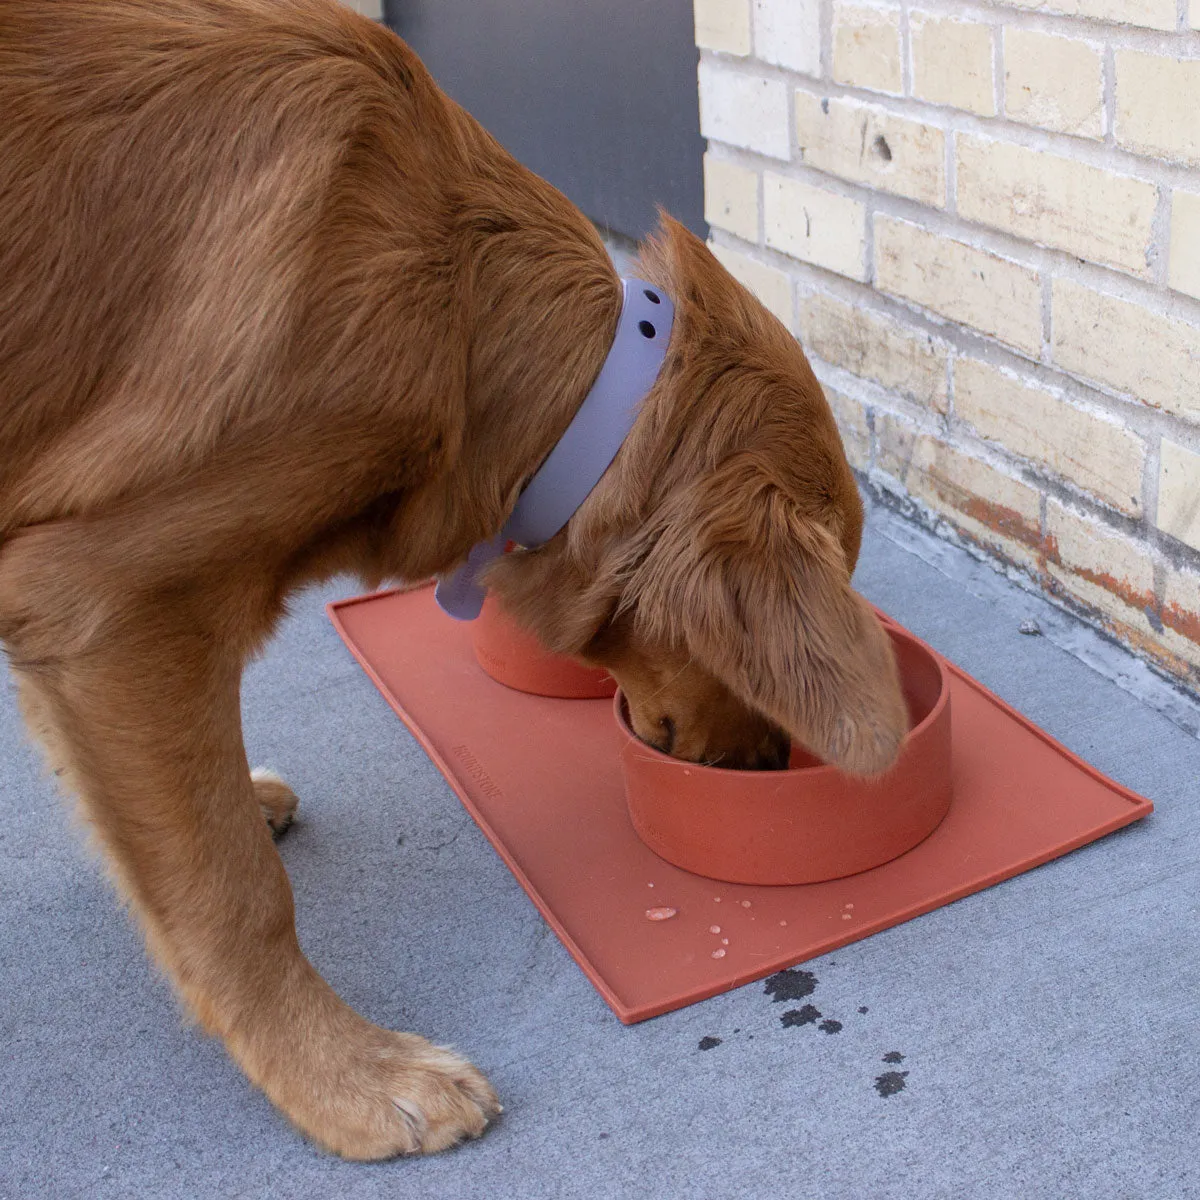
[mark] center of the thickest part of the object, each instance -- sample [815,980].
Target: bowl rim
[635,744]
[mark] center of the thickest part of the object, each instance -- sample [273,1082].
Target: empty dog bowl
[518,660]
[808,823]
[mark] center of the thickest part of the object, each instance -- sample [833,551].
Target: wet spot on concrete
[893,1056]
[830,1026]
[707,1043]
[808,1015]
[890,1082]
[791,984]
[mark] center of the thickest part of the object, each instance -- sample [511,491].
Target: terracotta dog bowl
[811,822]
[518,660]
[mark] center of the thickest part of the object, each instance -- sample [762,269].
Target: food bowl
[811,822]
[518,660]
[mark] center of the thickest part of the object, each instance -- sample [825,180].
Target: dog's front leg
[143,715]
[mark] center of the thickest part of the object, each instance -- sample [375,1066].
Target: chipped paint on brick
[1002,520]
[1149,648]
[1143,602]
[1182,621]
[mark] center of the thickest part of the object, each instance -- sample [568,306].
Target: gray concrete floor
[1048,1026]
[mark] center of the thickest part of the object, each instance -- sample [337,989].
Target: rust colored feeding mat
[542,779]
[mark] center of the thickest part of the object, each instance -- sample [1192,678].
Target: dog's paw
[442,1098]
[401,1096]
[277,801]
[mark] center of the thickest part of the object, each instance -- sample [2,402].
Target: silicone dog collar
[586,449]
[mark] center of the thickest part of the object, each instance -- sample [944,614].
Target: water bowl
[811,822]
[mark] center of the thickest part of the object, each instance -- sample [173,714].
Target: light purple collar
[586,449]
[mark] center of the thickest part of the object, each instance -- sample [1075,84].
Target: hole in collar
[651,296]
[646,329]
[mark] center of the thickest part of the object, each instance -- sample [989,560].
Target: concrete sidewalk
[1045,1031]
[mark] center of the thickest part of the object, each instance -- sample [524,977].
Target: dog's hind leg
[276,800]
[139,697]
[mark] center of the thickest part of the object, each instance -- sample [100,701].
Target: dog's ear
[760,593]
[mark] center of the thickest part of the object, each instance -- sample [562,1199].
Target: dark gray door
[597,96]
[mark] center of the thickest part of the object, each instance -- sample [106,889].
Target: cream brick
[723,25]
[952,63]
[991,508]
[815,226]
[1183,268]
[787,33]
[897,441]
[1054,82]
[770,285]
[866,47]
[1106,570]
[866,144]
[1150,14]
[1155,359]
[1194,14]
[744,110]
[1097,455]
[957,281]
[1181,615]
[851,418]
[875,347]
[368,8]
[1085,210]
[1158,105]
[1179,493]
[731,197]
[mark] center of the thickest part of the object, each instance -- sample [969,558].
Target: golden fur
[272,307]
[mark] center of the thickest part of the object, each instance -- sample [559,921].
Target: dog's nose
[775,757]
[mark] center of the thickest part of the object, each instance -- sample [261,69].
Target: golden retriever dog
[272,308]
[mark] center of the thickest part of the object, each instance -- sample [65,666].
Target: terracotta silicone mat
[542,780]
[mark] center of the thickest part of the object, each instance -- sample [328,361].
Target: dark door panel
[597,96]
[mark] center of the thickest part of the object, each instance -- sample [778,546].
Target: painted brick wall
[983,223]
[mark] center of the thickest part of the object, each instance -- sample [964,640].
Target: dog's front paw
[441,1097]
[277,801]
[392,1094]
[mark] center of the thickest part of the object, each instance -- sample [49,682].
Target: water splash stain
[808,1015]
[890,1082]
[790,984]
[708,1043]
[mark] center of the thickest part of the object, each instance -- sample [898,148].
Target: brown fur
[272,307]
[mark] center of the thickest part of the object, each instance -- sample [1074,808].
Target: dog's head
[710,568]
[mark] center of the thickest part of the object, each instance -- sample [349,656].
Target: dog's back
[167,171]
